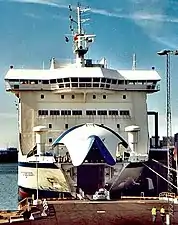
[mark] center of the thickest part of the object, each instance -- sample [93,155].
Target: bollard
[168,219]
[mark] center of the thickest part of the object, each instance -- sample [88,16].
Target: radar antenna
[81,40]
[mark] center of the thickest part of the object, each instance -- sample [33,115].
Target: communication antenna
[81,40]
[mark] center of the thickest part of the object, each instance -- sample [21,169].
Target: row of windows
[94,96]
[83,81]
[79,112]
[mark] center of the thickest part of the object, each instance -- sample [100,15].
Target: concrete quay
[123,212]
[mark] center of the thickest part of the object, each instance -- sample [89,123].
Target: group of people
[154,212]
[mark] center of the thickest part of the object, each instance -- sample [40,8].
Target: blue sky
[32,31]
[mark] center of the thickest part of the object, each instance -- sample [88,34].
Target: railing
[167,195]
[24,203]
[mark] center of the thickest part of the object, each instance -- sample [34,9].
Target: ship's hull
[52,182]
[28,192]
[47,178]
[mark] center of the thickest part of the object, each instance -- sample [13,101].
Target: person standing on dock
[154,214]
[162,214]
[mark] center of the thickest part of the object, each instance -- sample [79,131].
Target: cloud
[53,3]
[32,15]
[136,16]
[167,41]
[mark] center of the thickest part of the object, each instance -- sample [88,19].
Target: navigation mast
[81,41]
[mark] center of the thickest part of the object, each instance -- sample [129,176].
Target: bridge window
[107,85]
[103,80]
[76,112]
[74,79]
[113,112]
[114,81]
[45,81]
[61,85]
[102,112]
[96,85]
[67,85]
[42,112]
[85,80]
[90,112]
[124,96]
[54,112]
[66,126]
[74,84]
[65,112]
[53,81]
[102,85]
[42,96]
[104,96]
[66,80]
[120,82]
[50,125]
[96,79]
[62,96]
[88,84]
[59,80]
[124,113]
[94,96]
[73,96]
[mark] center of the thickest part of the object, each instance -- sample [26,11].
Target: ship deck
[124,212]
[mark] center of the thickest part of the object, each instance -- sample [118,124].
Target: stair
[51,210]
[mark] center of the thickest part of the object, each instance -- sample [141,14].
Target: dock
[76,212]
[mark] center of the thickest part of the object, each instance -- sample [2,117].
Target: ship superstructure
[81,125]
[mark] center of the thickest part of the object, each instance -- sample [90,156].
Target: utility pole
[167,53]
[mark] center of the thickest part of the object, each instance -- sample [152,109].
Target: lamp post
[168,53]
[37,192]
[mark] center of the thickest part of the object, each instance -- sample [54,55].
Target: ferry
[82,125]
[8,155]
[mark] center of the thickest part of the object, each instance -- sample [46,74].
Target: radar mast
[81,40]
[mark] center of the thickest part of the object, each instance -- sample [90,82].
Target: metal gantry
[168,53]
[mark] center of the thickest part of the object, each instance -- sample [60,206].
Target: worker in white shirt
[162,214]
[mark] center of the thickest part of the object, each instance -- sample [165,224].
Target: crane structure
[168,54]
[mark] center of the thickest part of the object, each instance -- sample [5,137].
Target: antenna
[81,40]
[134,62]
[79,22]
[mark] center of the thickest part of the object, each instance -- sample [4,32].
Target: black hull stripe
[40,165]
[53,166]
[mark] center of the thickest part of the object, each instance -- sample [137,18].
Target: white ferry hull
[46,177]
[52,183]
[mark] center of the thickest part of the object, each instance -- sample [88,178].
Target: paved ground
[101,213]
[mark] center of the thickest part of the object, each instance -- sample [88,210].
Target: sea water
[8,186]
